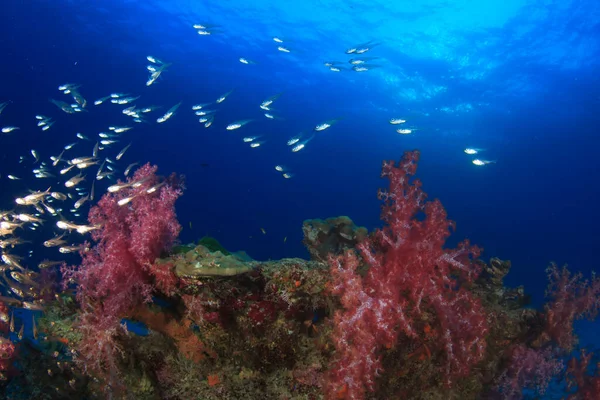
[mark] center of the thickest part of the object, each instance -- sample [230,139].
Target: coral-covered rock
[323,238]
[200,261]
[489,286]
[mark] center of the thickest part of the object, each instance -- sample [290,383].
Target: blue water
[518,79]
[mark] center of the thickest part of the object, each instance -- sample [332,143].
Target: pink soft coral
[528,368]
[571,298]
[409,270]
[118,273]
[586,380]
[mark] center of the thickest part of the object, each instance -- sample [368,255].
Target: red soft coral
[409,269]
[118,273]
[586,380]
[528,368]
[119,270]
[571,298]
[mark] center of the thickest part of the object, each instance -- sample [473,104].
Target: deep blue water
[519,80]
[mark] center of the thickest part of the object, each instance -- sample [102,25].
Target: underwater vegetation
[388,314]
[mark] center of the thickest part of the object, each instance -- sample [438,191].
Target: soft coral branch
[584,377]
[409,269]
[571,298]
[528,368]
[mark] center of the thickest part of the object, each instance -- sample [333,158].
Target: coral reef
[390,314]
